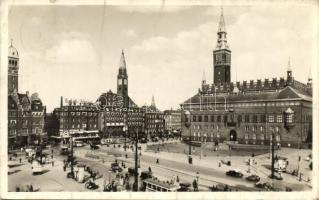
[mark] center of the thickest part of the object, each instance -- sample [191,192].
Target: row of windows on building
[25,122]
[247,136]
[78,114]
[211,105]
[154,126]
[113,119]
[272,118]
[25,131]
[245,128]
[154,116]
[79,126]
[77,120]
[135,123]
[13,62]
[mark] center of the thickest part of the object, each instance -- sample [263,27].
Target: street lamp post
[71,148]
[272,156]
[188,124]
[125,129]
[135,186]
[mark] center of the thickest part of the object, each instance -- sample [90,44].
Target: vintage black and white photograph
[125,98]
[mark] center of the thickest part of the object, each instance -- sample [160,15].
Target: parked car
[146,175]
[94,146]
[184,187]
[116,168]
[131,170]
[143,140]
[264,185]
[253,178]
[234,173]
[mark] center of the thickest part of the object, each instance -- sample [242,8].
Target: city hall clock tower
[222,55]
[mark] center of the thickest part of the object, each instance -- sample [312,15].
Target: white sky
[74,51]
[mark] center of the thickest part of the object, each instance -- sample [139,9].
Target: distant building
[25,113]
[172,120]
[76,116]
[248,112]
[153,120]
[114,120]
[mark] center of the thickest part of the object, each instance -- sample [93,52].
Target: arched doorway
[233,135]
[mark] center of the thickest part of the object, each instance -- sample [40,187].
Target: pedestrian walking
[64,167]
[52,163]
[19,159]
[177,179]
[150,169]
[157,161]
[52,151]
[52,156]
[31,188]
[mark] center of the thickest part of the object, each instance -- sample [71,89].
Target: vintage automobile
[253,178]
[115,167]
[184,187]
[234,173]
[94,146]
[264,185]
[146,175]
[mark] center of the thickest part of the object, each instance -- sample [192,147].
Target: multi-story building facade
[248,113]
[116,121]
[153,120]
[25,113]
[76,116]
[173,120]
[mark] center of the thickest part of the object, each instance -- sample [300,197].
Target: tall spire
[289,65]
[122,61]
[222,40]
[204,76]
[153,101]
[221,25]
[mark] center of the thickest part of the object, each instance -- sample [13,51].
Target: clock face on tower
[119,81]
[125,81]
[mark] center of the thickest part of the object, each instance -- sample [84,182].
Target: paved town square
[134,98]
[172,164]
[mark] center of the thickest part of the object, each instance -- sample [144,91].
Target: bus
[155,185]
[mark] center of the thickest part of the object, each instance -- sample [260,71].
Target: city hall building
[248,112]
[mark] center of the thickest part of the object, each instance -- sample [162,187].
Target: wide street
[172,163]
